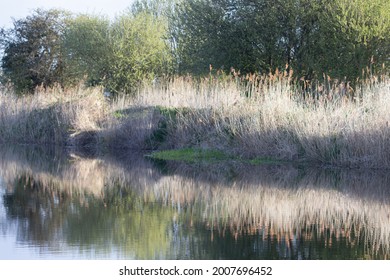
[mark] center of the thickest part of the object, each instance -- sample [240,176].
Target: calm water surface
[55,205]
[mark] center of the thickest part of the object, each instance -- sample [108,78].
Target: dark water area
[61,205]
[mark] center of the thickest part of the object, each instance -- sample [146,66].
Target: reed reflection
[106,207]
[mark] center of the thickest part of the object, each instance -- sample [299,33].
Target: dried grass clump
[50,116]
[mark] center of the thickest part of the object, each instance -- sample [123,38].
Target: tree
[336,37]
[118,55]
[32,50]
[200,31]
[362,38]
[141,51]
[88,50]
[157,8]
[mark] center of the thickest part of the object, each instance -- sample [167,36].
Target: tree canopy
[339,38]
[336,37]
[32,50]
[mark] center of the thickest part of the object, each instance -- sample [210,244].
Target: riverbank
[268,119]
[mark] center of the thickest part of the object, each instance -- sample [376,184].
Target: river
[63,205]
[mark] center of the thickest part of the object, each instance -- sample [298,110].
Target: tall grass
[267,116]
[271,116]
[49,116]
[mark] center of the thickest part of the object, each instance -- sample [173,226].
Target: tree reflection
[304,246]
[39,213]
[111,208]
[122,221]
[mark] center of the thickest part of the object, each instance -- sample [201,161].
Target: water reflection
[58,205]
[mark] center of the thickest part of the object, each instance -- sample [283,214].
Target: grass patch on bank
[190,155]
[193,155]
[258,161]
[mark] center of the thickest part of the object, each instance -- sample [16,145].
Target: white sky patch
[18,9]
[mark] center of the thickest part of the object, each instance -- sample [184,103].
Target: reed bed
[256,116]
[270,116]
[49,116]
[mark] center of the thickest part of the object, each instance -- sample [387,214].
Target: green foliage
[139,51]
[156,38]
[32,50]
[190,155]
[250,36]
[157,8]
[193,155]
[362,36]
[201,32]
[337,37]
[88,49]
[52,47]
[119,55]
[260,161]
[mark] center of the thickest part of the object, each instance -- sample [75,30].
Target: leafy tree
[337,37]
[140,51]
[157,8]
[118,55]
[32,50]
[200,32]
[88,49]
[362,38]
[163,10]
[249,35]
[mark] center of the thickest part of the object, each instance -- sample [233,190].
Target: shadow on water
[63,205]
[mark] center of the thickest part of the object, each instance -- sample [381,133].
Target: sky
[21,8]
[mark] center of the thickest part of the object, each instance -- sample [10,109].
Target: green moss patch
[258,161]
[197,155]
[190,155]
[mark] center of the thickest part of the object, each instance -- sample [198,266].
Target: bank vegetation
[256,117]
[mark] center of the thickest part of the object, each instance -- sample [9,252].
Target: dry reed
[259,116]
[270,117]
